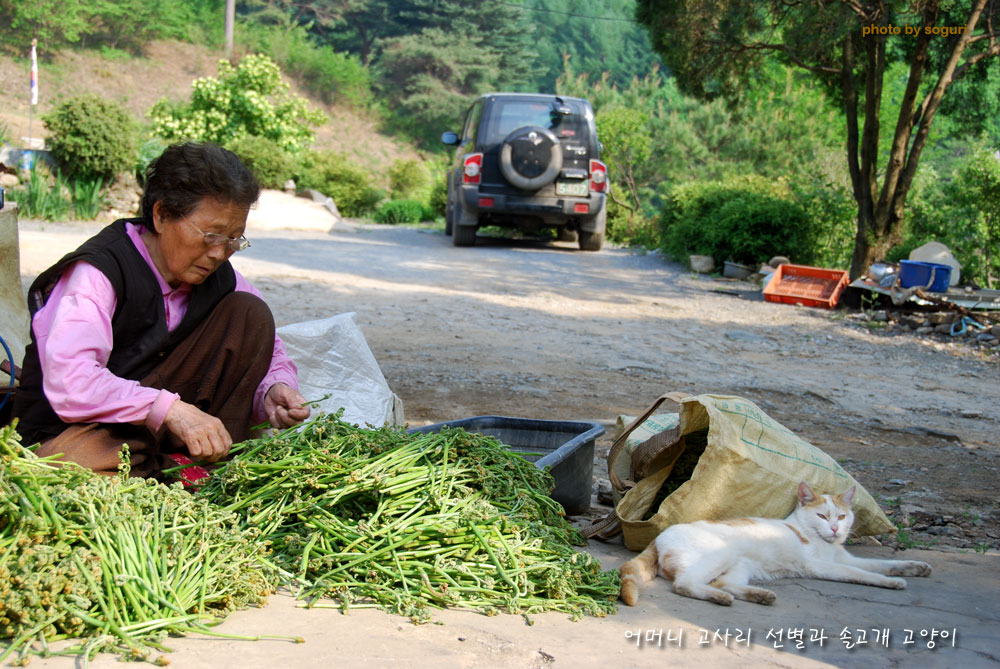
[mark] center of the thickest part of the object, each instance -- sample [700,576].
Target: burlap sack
[751,466]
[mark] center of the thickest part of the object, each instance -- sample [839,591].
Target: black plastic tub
[566,447]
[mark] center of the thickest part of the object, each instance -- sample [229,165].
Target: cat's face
[829,516]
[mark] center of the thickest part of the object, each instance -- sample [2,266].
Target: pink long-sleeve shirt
[74,338]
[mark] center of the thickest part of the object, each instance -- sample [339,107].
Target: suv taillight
[598,176]
[472,170]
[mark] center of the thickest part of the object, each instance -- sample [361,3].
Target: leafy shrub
[630,229]
[400,211]
[91,138]
[744,219]
[335,77]
[430,213]
[437,200]
[406,178]
[149,150]
[962,212]
[330,173]
[269,163]
[247,100]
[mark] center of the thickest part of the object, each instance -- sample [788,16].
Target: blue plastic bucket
[916,273]
[28,158]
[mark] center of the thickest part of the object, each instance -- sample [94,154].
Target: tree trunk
[874,239]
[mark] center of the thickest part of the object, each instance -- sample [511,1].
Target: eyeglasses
[215,239]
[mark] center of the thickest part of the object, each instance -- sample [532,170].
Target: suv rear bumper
[554,210]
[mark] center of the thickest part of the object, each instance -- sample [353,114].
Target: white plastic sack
[333,358]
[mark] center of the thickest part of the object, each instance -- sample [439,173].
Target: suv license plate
[578,188]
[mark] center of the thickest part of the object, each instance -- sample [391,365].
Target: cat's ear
[848,495]
[806,495]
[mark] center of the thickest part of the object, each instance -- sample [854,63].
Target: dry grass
[167,71]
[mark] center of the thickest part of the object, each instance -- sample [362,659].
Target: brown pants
[217,368]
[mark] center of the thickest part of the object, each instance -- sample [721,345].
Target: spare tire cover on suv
[530,157]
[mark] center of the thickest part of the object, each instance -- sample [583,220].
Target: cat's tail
[637,571]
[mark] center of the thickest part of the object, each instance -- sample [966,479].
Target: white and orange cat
[716,560]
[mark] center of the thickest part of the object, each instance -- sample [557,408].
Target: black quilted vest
[139,325]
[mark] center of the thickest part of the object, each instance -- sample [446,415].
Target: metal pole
[230,20]
[33,99]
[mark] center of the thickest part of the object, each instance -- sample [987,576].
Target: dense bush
[330,173]
[400,211]
[247,100]
[437,200]
[743,219]
[406,178]
[825,193]
[269,163]
[91,138]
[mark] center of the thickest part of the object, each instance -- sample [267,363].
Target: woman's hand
[204,435]
[285,406]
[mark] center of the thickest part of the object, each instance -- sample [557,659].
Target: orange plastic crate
[808,286]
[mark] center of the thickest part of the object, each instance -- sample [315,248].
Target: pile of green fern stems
[343,516]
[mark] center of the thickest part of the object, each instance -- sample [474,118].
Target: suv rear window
[514,114]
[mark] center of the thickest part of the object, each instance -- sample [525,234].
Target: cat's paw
[895,583]
[911,568]
[721,598]
[761,596]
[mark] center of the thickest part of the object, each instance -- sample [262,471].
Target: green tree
[355,26]
[53,23]
[126,24]
[713,48]
[596,36]
[428,79]
[627,141]
[132,24]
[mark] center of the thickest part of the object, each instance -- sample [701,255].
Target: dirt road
[541,330]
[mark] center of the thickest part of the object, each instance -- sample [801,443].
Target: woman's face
[181,254]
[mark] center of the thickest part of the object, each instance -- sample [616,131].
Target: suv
[527,161]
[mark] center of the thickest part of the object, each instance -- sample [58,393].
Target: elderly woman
[147,335]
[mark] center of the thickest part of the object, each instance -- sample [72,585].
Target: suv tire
[593,241]
[530,157]
[463,235]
